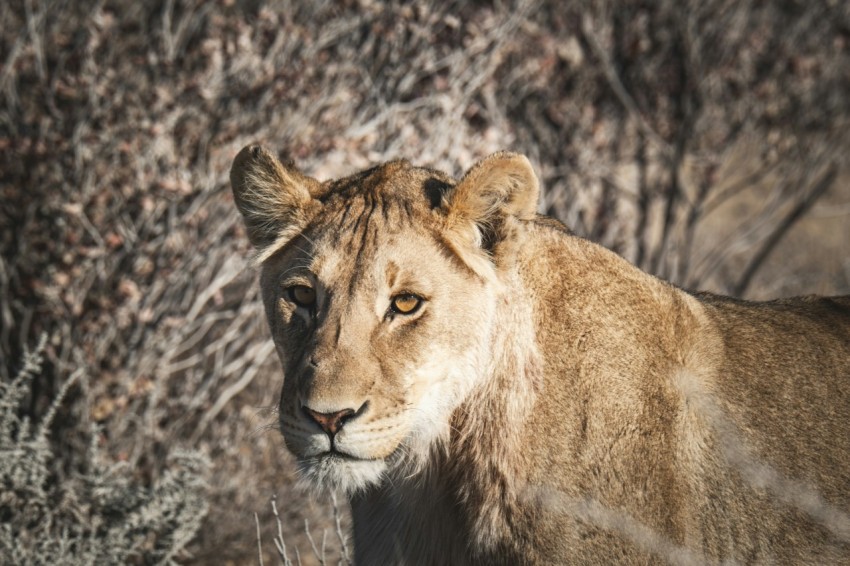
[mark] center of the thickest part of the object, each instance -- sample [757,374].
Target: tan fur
[549,402]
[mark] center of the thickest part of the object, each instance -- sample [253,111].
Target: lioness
[488,388]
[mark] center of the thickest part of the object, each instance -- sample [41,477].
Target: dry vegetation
[706,141]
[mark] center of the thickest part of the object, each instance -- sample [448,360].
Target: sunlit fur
[549,402]
[354,348]
[339,474]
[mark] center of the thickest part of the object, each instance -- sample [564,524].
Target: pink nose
[330,422]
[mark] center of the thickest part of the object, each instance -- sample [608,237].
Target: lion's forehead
[360,222]
[397,180]
[372,238]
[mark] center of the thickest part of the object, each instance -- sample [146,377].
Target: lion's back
[753,448]
[783,387]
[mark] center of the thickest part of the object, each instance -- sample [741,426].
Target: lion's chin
[341,474]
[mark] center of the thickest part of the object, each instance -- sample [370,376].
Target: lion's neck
[466,495]
[486,464]
[409,520]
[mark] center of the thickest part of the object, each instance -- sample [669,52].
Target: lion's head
[380,291]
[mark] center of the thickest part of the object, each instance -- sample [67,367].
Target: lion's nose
[330,422]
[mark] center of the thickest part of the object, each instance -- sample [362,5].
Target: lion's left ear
[492,195]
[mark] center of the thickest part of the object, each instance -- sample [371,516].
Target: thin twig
[741,238]
[313,543]
[339,532]
[784,226]
[236,388]
[259,540]
[642,204]
[619,88]
[44,428]
[744,182]
[279,542]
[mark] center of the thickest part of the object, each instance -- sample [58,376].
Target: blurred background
[706,141]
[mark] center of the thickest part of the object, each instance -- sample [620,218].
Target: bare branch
[619,89]
[782,228]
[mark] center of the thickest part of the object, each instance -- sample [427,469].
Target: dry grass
[119,120]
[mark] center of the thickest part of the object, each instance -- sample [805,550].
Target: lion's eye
[302,295]
[406,304]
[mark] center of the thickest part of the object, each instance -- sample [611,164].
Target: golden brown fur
[547,402]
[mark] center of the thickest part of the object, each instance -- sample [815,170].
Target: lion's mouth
[340,471]
[335,454]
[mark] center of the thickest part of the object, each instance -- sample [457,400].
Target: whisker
[259,430]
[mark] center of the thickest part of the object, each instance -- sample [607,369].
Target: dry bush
[695,138]
[643,107]
[91,512]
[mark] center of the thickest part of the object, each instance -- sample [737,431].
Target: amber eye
[302,295]
[406,304]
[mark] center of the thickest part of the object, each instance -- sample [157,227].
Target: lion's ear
[497,190]
[274,199]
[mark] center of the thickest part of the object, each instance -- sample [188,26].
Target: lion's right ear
[275,200]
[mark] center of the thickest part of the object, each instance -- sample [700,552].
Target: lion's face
[380,301]
[372,319]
